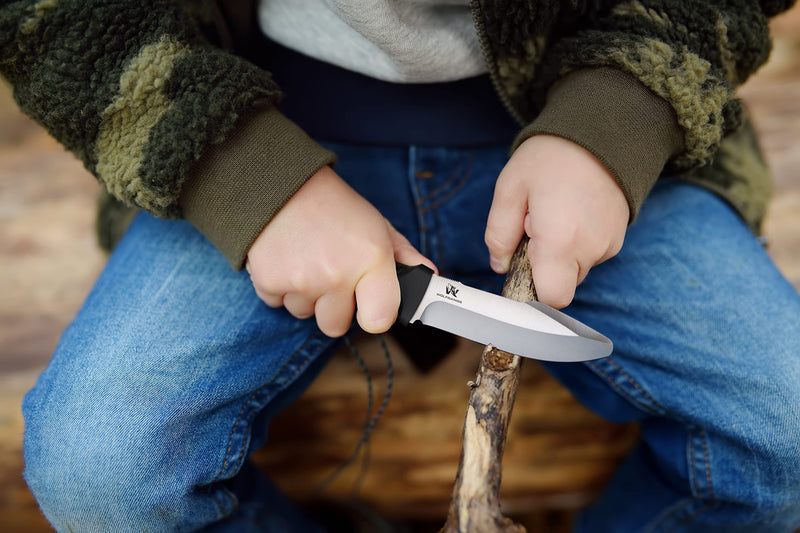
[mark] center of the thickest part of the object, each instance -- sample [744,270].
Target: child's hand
[327,250]
[569,205]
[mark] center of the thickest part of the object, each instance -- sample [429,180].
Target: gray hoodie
[404,41]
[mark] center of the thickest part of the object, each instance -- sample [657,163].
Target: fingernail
[375,327]
[498,266]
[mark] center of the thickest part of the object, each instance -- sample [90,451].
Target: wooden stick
[475,506]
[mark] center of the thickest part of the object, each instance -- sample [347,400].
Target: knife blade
[530,329]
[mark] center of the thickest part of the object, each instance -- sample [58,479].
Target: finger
[274,301]
[614,248]
[271,296]
[582,273]
[405,253]
[555,278]
[504,227]
[271,299]
[378,298]
[334,313]
[299,306]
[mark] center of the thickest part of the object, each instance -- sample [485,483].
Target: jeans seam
[456,176]
[457,180]
[291,378]
[212,495]
[703,509]
[655,409]
[216,497]
[441,188]
[438,229]
[694,432]
[413,184]
[231,498]
[693,470]
[250,400]
[636,385]
[661,520]
[671,519]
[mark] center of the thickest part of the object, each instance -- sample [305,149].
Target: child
[169,375]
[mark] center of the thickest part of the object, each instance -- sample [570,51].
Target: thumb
[405,253]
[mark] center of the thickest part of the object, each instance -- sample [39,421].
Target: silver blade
[529,329]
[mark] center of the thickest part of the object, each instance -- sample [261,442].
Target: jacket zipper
[477,20]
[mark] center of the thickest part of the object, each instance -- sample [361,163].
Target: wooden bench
[558,454]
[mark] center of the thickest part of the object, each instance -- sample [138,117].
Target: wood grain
[475,506]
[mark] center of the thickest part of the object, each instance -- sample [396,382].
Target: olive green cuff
[630,129]
[236,187]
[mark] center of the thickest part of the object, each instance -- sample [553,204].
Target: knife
[530,329]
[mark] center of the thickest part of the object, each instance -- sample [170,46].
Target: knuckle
[264,283]
[616,246]
[299,305]
[560,299]
[299,312]
[298,281]
[263,295]
[591,255]
[376,253]
[551,250]
[494,240]
[333,326]
[258,290]
[331,277]
[334,314]
[272,301]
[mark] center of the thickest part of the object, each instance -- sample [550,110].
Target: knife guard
[414,281]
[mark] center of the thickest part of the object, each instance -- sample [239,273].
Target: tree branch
[475,506]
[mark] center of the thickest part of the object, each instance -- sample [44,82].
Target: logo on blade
[450,293]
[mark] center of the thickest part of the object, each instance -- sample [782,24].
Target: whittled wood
[475,506]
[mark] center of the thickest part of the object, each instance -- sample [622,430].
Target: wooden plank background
[49,256]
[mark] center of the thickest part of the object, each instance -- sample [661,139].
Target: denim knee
[90,473]
[75,476]
[744,463]
[72,469]
[774,477]
[94,463]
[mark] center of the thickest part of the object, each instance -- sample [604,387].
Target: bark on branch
[475,506]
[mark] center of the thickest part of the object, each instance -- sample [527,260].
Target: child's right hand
[327,251]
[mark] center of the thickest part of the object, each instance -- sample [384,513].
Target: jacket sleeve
[136,92]
[692,53]
[689,55]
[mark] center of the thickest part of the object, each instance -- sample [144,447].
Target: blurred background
[49,257]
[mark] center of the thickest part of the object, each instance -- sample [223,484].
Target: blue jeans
[170,373]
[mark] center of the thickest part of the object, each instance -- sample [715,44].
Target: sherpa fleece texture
[691,53]
[138,91]
[133,88]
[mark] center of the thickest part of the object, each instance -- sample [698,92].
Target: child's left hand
[570,206]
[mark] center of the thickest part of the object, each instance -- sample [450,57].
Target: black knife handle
[414,281]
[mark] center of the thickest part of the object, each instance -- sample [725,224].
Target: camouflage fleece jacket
[170,120]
